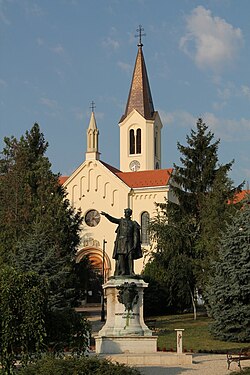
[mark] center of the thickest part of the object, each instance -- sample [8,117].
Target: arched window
[138,141]
[156,144]
[131,141]
[90,138]
[144,228]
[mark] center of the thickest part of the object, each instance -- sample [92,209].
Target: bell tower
[140,126]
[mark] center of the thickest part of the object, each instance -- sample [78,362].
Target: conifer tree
[229,289]
[188,226]
[39,230]
[197,179]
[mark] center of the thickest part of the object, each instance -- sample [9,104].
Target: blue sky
[56,56]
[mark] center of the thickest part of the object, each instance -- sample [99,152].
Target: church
[140,182]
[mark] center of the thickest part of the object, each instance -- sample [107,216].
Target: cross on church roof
[92,106]
[140,30]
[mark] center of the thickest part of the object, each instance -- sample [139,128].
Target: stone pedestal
[179,340]
[125,330]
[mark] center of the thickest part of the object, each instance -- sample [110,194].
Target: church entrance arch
[99,273]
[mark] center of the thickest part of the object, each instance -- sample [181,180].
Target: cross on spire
[92,106]
[140,30]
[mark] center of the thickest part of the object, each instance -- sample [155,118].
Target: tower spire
[92,137]
[140,126]
[140,97]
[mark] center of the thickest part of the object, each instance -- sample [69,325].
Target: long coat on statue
[127,237]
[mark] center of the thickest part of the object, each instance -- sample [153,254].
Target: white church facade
[140,182]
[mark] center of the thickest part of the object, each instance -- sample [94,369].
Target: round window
[92,218]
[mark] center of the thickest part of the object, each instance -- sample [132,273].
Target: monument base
[125,330]
[153,359]
[125,338]
[126,344]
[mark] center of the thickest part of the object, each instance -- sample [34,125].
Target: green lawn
[196,336]
[243,372]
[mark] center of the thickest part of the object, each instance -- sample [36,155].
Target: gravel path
[203,364]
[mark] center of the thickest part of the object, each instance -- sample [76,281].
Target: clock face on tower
[134,165]
[92,218]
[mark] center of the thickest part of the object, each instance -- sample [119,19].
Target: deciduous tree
[23,298]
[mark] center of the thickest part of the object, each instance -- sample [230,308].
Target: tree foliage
[203,190]
[187,228]
[229,288]
[38,228]
[169,285]
[23,298]
[39,233]
[66,330]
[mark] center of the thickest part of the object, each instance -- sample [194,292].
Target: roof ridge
[110,167]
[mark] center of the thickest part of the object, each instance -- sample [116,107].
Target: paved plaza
[203,364]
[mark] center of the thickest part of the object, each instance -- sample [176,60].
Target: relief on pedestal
[128,295]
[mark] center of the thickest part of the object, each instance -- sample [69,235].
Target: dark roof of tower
[140,95]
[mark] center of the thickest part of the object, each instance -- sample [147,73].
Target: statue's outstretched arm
[110,218]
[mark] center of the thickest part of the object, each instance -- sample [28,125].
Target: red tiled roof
[150,178]
[62,179]
[240,196]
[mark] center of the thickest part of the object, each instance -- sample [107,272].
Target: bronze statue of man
[127,244]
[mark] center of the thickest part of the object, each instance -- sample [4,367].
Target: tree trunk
[193,303]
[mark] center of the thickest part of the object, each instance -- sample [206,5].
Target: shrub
[67,329]
[74,366]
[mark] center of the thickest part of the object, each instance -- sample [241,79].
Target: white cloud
[167,118]
[217,106]
[230,91]
[3,17]
[224,93]
[209,40]
[78,114]
[125,67]
[60,73]
[228,129]
[3,83]
[33,9]
[246,172]
[50,103]
[72,2]
[58,49]
[40,42]
[245,90]
[110,43]
[84,117]
[179,118]
[99,116]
